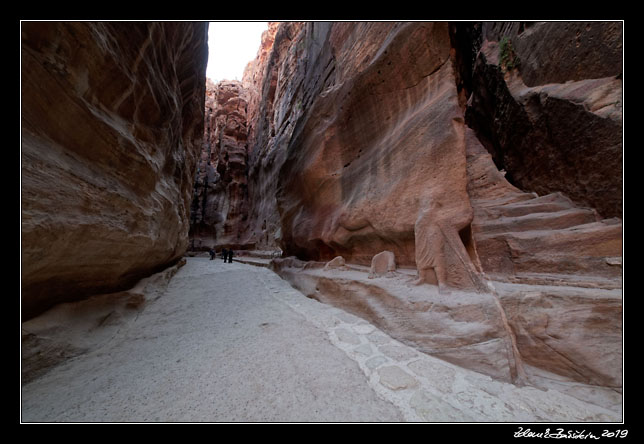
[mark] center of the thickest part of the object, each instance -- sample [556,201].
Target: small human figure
[224,254]
[230,256]
[212,253]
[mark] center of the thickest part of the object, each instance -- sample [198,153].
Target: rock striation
[112,121]
[557,272]
[275,105]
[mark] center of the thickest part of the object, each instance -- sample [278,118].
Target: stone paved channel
[236,343]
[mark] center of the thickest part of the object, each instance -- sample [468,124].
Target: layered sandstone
[220,201]
[552,123]
[112,121]
[556,269]
[475,167]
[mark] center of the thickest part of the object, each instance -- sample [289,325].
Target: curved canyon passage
[425,217]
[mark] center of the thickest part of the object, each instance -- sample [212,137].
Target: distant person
[224,254]
[212,253]
[230,256]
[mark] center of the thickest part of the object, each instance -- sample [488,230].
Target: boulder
[334,264]
[383,263]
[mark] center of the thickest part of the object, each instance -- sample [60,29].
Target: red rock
[552,263]
[269,100]
[111,126]
[383,263]
[345,140]
[462,328]
[335,263]
[517,232]
[220,199]
[343,145]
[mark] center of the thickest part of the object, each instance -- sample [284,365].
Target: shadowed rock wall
[547,103]
[112,121]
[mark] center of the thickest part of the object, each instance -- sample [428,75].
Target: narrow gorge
[457,185]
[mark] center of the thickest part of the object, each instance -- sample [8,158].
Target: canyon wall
[357,133]
[112,122]
[341,152]
[272,81]
[481,163]
[547,103]
[484,158]
[220,201]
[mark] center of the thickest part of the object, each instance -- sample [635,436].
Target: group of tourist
[226,255]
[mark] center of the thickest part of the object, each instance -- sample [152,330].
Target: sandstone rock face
[553,120]
[558,52]
[275,105]
[112,121]
[220,201]
[521,235]
[464,328]
[478,166]
[343,144]
[335,263]
[554,271]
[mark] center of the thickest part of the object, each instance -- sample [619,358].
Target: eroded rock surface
[112,121]
[554,272]
[464,328]
[484,157]
[73,329]
[258,350]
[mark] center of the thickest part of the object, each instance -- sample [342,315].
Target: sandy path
[233,342]
[215,347]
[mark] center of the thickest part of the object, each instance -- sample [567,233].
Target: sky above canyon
[231,45]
